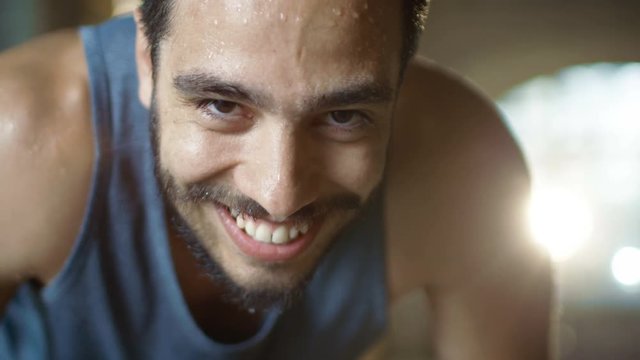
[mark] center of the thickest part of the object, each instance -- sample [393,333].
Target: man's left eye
[347,118]
[222,107]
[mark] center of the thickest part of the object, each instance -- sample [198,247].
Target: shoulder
[453,129]
[456,183]
[46,149]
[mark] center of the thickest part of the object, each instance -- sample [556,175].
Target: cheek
[190,152]
[358,168]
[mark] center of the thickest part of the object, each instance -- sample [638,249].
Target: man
[307,168]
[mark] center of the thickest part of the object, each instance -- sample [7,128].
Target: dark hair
[156,17]
[415,17]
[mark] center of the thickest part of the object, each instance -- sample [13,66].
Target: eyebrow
[357,93]
[202,85]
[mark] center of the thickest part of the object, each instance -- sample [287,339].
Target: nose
[280,171]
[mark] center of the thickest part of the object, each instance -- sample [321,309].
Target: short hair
[156,16]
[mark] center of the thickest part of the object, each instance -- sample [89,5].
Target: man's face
[273,121]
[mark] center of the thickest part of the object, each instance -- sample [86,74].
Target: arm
[457,187]
[46,152]
[495,316]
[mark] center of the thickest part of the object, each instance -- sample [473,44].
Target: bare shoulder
[46,149]
[456,184]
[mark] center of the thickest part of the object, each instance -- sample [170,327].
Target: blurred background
[566,76]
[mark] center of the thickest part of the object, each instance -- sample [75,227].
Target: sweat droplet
[336,11]
[245,21]
[282,17]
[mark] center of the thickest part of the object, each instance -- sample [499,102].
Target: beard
[183,200]
[248,299]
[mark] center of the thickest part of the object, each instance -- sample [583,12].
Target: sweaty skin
[455,183]
[279,144]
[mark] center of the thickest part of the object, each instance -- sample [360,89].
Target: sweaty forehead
[366,21]
[286,42]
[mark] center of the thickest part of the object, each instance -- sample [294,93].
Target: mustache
[225,196]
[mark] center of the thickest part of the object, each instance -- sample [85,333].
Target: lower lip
[264,252]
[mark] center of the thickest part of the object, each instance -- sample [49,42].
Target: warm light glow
[625,266]
[560,221]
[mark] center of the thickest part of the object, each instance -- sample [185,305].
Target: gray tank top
[117,296]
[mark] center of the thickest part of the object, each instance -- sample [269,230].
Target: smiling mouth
[264,231]
[265,240]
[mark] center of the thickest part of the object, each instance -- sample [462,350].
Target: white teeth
[250,228]
[263,234]
[280,236]
[293,233]
[240,222]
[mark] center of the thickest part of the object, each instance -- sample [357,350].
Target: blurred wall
[21,20]
[68,13]
[500,43]
[18,21]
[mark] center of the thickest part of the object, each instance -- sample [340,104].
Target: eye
[221,107]
[348,119]
[224,115]
[346,125]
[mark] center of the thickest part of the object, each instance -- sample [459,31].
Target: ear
[143,63]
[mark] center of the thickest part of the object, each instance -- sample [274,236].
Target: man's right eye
[224,115]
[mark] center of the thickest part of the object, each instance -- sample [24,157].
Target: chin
[242,285]
[257,274]
[255,283]
[258,287]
